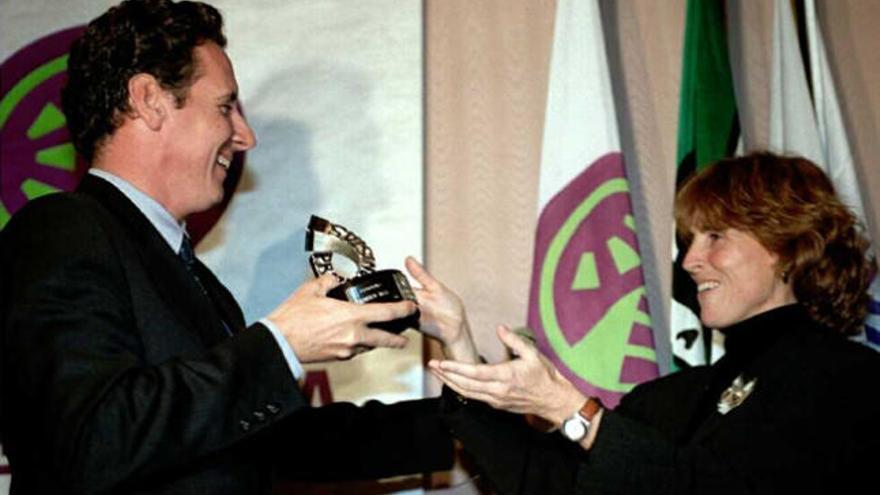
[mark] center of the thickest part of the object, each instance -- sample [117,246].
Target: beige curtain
[486,80]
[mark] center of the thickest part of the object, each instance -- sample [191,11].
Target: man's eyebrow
[228,98]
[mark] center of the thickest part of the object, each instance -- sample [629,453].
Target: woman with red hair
[781,270]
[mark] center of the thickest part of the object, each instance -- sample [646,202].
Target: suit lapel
[223,301]
[171,281]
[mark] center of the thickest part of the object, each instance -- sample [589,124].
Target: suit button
[273,408]
[259,416]
[244,425]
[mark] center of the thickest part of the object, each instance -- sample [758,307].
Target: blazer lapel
[705,418]
[172,282]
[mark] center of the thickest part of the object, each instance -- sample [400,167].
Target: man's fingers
[325,283]
[379,338]
[385,311]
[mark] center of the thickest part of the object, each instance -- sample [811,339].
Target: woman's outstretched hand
[527,384]
[443,315]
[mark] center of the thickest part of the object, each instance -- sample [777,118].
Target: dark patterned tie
[188,256]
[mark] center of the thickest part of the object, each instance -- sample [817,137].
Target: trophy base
[380,286]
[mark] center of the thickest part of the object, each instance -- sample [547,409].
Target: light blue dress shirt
[173,232]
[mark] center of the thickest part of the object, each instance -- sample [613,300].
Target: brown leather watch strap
[590,408]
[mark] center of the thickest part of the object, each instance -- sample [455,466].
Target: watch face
[574,429]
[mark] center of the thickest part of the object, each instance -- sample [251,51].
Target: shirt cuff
[292,362]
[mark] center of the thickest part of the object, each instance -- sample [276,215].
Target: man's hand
[320,328]
[443,315]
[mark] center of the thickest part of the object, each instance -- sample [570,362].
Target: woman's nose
[693,259]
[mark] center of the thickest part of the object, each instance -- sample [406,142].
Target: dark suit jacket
[809,426]
[117,374]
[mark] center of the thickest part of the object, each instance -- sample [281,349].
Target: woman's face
[735,276]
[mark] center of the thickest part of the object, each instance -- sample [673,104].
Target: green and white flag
[708,130]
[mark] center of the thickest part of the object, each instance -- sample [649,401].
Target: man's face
[203,134]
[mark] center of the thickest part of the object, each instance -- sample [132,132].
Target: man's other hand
[320,328]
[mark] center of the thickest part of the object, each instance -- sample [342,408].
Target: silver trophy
[361,283]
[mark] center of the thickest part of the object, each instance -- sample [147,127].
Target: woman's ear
[147,100]
[784,269]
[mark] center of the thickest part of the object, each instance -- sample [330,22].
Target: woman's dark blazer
[810,425]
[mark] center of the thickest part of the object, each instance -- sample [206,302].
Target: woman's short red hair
[790,206]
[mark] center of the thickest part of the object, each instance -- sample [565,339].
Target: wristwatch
[576,426]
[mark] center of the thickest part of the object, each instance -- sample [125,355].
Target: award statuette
[324,239]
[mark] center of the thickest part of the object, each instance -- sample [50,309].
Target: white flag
[587,304]
[814,127]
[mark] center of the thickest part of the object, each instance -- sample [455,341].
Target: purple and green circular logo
[588,303]
[37,156]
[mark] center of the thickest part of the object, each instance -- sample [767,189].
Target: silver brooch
[735,394]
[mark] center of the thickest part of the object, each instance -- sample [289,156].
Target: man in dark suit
[126,365]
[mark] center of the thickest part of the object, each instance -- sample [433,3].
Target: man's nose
[243,137]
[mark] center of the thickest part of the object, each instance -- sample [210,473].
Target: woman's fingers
[481,372]
[418,272]
[456,383]
[517,345]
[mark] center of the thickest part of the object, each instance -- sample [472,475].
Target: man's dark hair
[155,37]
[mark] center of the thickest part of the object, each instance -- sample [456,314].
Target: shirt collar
[169,228]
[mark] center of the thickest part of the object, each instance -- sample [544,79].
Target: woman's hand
[528,384]
[443,315]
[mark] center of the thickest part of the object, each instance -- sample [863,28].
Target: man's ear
[147,100]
